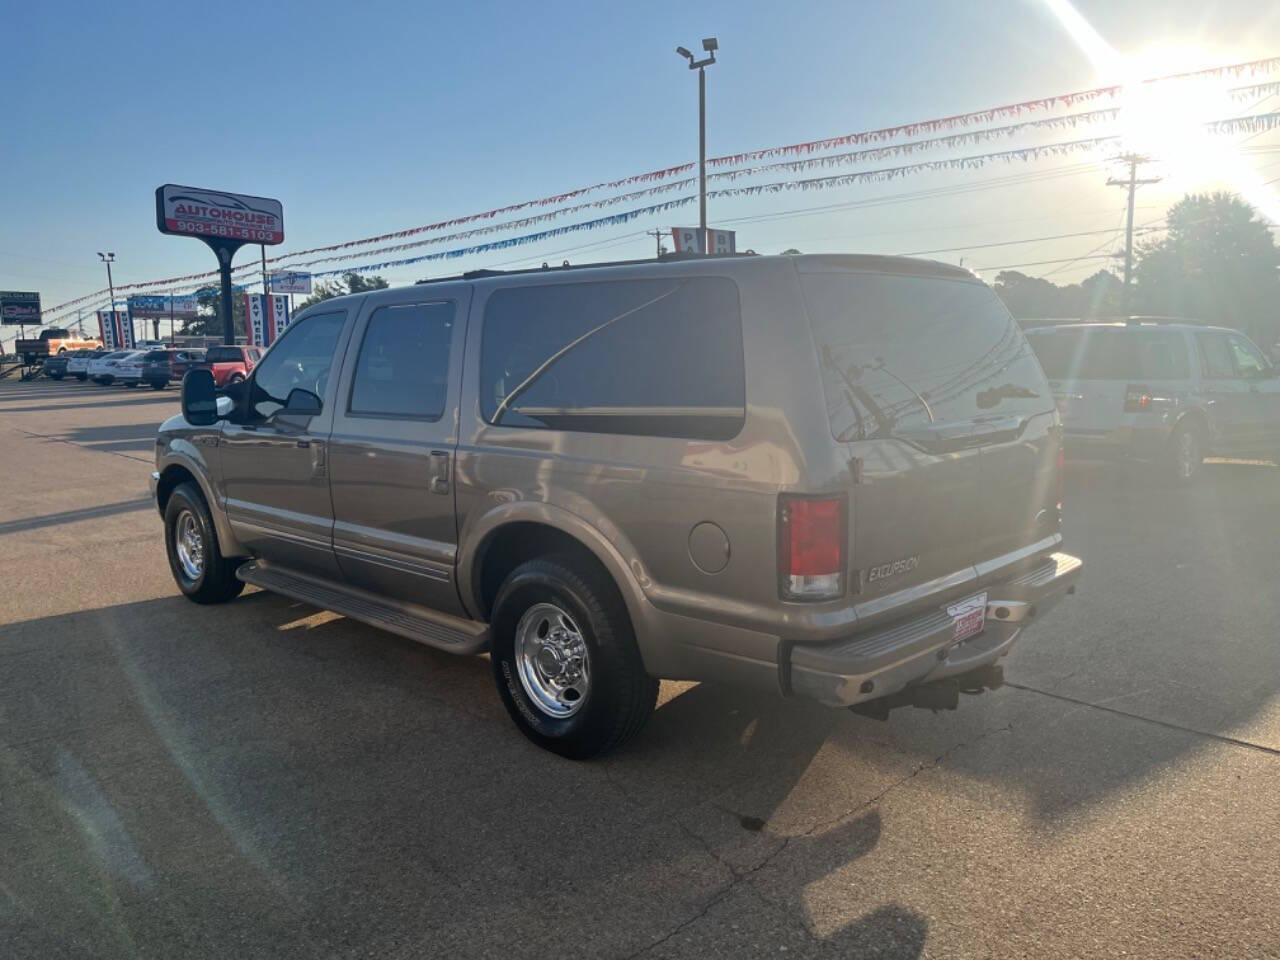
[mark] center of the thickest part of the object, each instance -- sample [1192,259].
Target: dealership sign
[20,308]
[214,214]
[143,307]
[291,281]
[696,240]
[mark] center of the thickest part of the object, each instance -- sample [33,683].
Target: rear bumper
[922,649]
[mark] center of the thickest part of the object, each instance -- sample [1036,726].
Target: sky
[368,118]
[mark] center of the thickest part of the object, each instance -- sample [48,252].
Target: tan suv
[835,477]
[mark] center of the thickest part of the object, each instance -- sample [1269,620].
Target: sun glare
[1166,121]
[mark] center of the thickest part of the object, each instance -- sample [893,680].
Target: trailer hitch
[938,695]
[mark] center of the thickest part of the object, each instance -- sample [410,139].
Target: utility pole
[1132,184]
[710,45]
[657,236]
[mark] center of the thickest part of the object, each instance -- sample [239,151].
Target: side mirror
[302,403]
[199,398]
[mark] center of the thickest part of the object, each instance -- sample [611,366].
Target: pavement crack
[1168,725]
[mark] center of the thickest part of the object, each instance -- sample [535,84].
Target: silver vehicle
[832,477]
[1161,390]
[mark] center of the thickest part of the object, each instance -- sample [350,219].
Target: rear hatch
[1105,377]
[939,401]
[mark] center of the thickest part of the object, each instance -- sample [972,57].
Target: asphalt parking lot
[262,779]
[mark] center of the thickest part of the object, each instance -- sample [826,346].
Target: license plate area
[968,617]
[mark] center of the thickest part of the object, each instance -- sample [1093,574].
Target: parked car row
[157,367]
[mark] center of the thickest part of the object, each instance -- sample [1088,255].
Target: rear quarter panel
[644,495]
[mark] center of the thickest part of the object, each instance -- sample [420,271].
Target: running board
[439,630]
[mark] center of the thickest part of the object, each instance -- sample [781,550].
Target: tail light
[1137,398]
[811,547]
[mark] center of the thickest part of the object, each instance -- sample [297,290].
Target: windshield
[900,353]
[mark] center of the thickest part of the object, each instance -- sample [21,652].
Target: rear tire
[235,378]
[202,573]
[82,377]
[159,384]
[565,659]
[1186,452]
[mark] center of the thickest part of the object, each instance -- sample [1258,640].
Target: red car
[230,364]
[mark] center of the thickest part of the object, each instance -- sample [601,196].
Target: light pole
[709,46]
[110,258]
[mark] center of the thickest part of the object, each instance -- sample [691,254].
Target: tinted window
[301,358]
[1111,353]
[224,355]
[1215,356]
[157,355]
[403,367]
[899,353]
[1249,360]
[646,357]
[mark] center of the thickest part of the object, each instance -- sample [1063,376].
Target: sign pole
[228,311]
[263,249]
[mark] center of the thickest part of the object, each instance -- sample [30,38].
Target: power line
[1008,243]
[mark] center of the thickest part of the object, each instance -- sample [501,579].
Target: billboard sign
[20,308]
[146,307]
[217,215]
[290,281]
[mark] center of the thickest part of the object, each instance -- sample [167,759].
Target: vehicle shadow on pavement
[302,785]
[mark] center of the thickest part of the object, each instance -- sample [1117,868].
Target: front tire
[202,573]
[82,377]
[159,384]
[565,659]
[1186,452]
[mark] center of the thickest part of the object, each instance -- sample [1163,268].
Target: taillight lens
[811,547]
[1137,398]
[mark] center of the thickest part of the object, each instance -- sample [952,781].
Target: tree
[1035,298]
[208,319]
[350,283]
[1218,262]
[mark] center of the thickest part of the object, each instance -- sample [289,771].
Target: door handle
[304,444]
[439,472]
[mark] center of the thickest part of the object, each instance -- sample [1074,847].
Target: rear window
[157,355]
[645,357]
[1111,353]
[224,355]
[906,352]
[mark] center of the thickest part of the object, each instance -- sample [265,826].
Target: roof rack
[566,265]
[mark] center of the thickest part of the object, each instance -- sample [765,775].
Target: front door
[275,464]
[392,451]
[1229,401]
[1264,395]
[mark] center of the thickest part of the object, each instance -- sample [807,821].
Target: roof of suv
[1132,323]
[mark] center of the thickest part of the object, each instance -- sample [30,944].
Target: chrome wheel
[551,658]
[189,544]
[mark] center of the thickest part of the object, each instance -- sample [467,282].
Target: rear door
[392,449]
[935,391]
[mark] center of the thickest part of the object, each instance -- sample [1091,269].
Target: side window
[301,358]
[1249,360]
[1215,356]
[1164,355]
[403,366]
[643,357]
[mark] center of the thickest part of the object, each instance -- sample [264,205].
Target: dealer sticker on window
[968,616]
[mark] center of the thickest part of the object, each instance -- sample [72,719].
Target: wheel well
[1197,421]
[169,480]
[513,544]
